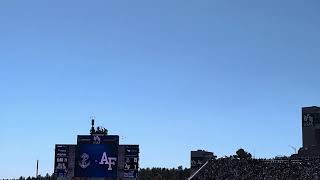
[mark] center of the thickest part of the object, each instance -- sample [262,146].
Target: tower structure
[311,126]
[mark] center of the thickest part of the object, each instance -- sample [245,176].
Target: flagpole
[37,169]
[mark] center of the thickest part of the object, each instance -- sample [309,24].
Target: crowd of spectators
[230,168]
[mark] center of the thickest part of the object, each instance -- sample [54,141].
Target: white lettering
[104,159]
[111,162]
[108,160]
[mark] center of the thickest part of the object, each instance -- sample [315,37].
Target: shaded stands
[265,169]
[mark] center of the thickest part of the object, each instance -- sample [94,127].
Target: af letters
[108,160]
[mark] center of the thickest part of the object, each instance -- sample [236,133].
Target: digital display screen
[131,161]
[61,160]
[96,160]
[197,162]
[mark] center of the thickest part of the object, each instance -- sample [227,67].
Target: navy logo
[84,163]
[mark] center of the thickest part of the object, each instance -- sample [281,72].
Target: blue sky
[172,76]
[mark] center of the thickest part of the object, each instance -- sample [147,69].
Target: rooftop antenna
[92,131]
[99,131]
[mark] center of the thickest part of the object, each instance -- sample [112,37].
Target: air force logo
[108,160]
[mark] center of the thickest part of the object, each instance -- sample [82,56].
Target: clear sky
[170,75]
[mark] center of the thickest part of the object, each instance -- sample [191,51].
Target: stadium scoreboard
[311,126]
[96,156]
[199,158]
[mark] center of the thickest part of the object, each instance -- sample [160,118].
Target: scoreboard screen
[199,158]
[131,164]
[96,160]
[61,160]
[197,162]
